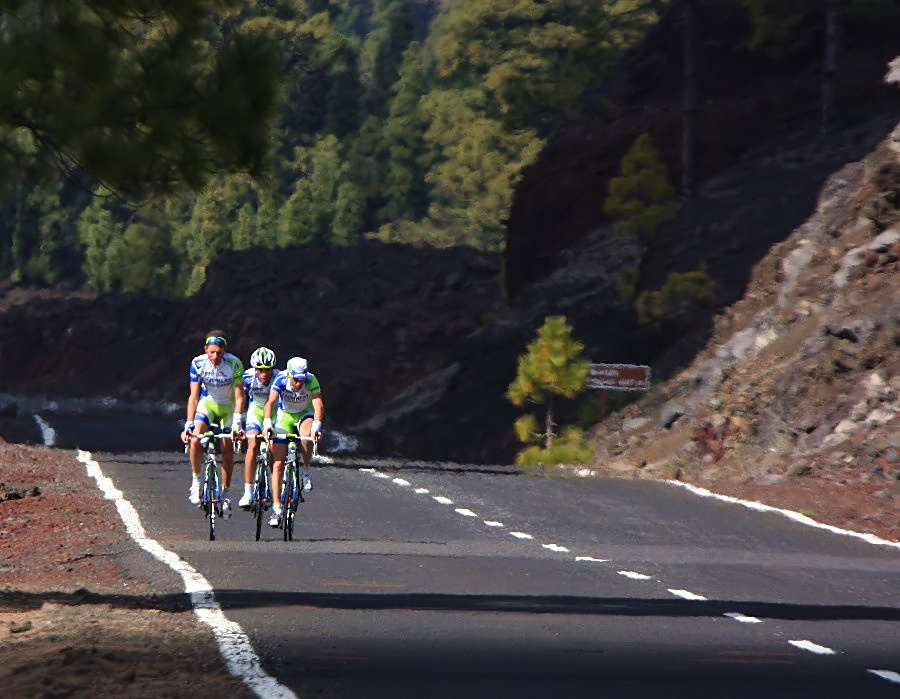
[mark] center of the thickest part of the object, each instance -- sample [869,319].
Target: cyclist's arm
[193,400]
[269,407]
[240,397]
[318,407]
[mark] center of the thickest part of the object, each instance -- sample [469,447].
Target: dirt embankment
[75,619]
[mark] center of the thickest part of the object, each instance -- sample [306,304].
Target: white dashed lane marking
[812,647]
[888,675]
[632,575]
[805,645]
[737,616]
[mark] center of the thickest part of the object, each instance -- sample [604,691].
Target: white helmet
[297,368]
[262,358]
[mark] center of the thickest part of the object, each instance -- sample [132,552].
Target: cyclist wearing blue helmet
[216,395]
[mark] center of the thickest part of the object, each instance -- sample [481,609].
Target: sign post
[618,377]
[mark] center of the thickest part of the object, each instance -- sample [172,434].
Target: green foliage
[572,447]
[309,212]
[551,366]
[679,292]
[479,164]
[527,429]
[774,21]
[128,250]
[100,233]
[382,53]
[139,95]
[405,191]
[374,135]
[626,283]
[535,58]
[780,26]
[640,198]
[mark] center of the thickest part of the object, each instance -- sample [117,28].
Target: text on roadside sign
[619,377]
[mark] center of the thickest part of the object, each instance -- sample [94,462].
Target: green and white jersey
[300,401]
[217,381]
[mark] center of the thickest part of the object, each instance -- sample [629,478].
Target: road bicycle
[261,496]
[292,485]
[211,484]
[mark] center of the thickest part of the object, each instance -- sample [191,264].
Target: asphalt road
[429,581]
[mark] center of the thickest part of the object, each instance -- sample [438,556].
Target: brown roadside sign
[619,377]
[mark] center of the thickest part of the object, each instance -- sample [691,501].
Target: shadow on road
[519,604]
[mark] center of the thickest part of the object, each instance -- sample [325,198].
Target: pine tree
[140,96]
[640,198]
[552,366]
[404,190]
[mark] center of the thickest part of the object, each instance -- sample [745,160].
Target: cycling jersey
[299,401]
[256,391]
[257,394]
[217,381]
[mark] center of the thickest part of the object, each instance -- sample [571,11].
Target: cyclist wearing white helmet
[298,397]
[215,396]
[257,385]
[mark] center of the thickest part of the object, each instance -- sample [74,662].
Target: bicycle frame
[211,486]
[261,496]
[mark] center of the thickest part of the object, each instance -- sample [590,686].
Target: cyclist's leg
[201,426]
[195,451]
[226,411]
[252,430]
[305,429]
[285,424]
[279,451]
[249,468]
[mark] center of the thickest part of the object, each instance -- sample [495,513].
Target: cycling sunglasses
[213,340]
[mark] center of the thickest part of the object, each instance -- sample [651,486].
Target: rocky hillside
[801,377]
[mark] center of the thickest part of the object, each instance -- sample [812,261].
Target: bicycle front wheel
[289,500]
[212,491]
[261,498]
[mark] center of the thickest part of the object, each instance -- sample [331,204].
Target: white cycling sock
[248,488]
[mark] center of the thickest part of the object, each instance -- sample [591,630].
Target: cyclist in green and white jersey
[216,395]
[298,396]
[257,384]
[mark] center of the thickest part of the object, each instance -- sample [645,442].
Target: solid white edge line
[790,514]
[813,647]
[234,645]
[888,675]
